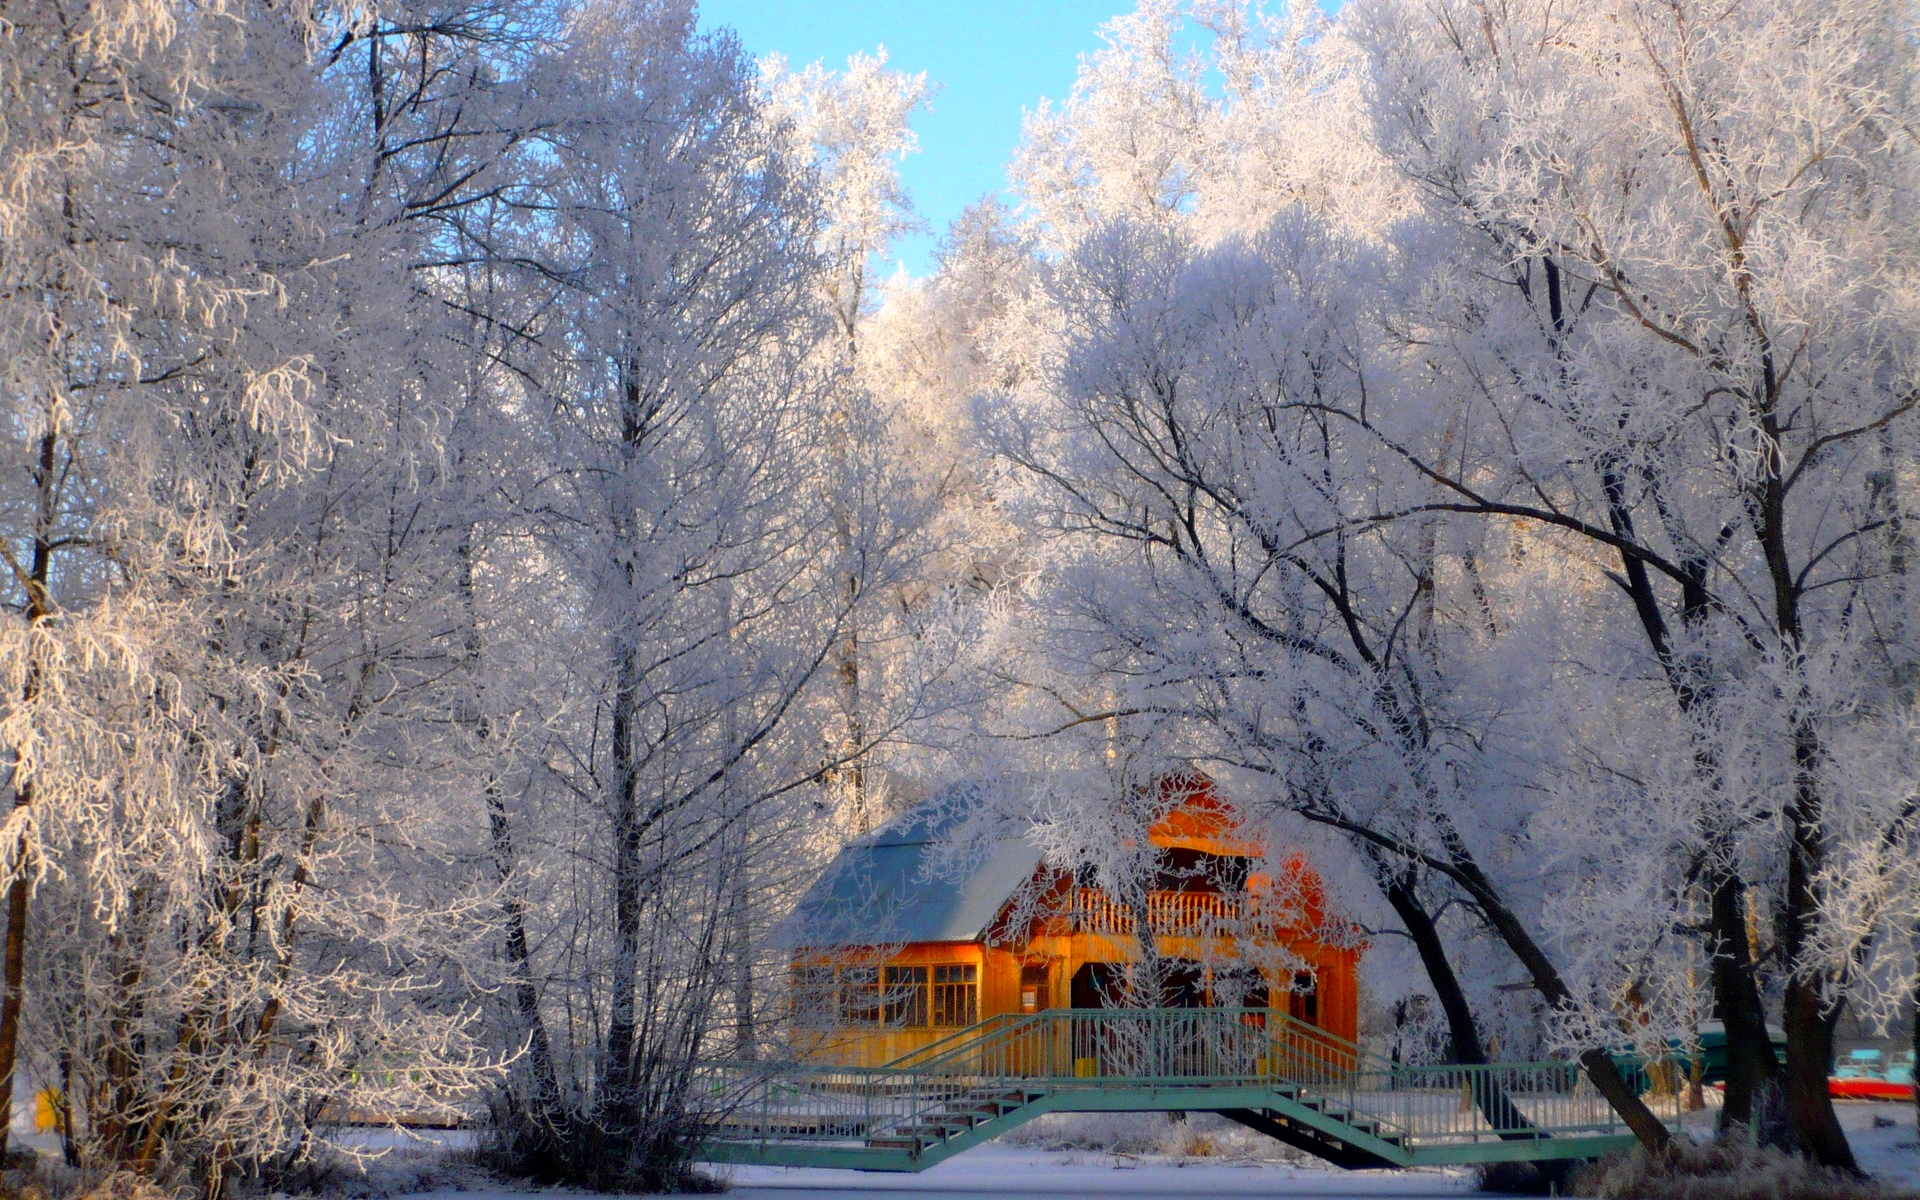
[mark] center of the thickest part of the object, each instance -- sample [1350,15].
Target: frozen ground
[1890,1152]
[995,1172]
[1042,1169]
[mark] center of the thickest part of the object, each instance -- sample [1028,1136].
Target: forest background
[479,533]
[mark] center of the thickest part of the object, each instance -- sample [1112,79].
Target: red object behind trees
[1868,1089]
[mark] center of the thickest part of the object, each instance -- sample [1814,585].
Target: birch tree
[850,129]
[224,805]
[709,514]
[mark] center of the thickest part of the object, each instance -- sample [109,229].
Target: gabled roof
[903,882]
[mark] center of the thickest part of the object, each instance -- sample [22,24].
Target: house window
[956,995]
[1034,991]
[860,995]
[892,997]
[815,998]
[906,996]
[1303,999]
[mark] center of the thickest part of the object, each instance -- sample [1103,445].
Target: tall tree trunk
[16,974]
[847,654]
[738,940]
[854,769]
[739,959]
[543,1106]
[1753,1073]
[1810,1011]
[1401,891]
[615,1105]
[1811,1008]
[1810,1030]
[19,891]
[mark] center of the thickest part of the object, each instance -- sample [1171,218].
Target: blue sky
[992,59]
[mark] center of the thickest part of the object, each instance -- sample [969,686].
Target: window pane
[1303,1000]
[906,996]
[860,995]
[956,995]
[814,998]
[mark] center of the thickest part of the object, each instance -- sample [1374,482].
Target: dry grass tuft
[1195,1145]
[1723,1171]
[123,1185]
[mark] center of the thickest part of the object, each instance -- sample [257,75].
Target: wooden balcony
[1172,914]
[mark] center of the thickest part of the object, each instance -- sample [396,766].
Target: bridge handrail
[971,1047]
[959,1037]
[1005,1025]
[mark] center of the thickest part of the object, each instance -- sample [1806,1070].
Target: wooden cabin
[901,943]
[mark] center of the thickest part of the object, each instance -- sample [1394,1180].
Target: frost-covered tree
[850,130]
[233,906]
[1174,346]
[1234,595]
[1697,360]
[1645,325]
[694,518]
[1259,113]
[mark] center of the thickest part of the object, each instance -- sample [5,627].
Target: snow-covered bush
[1191,1135]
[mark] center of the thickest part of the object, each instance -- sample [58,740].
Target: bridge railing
[987,1031]
[788,1102]
[1440,1104]
[1064,1050]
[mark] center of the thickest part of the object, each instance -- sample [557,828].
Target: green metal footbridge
[1261,1068]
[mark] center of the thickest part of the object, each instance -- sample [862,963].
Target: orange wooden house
[895,947]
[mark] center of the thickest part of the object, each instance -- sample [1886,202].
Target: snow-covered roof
[908,881]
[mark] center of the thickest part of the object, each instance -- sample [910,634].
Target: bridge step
[1314,1141]
[958,1116]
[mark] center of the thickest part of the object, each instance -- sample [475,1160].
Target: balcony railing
[1174,914]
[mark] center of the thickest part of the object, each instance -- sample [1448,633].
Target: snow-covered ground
[1889,1151]
[1002,1171]
[996,1172]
